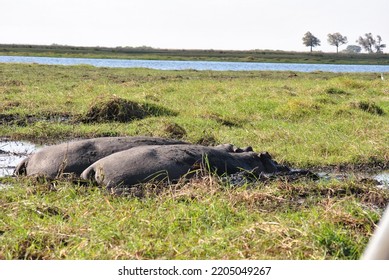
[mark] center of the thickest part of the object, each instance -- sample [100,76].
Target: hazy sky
[191,24]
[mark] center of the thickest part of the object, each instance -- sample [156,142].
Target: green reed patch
[369,107]
[333,90]
[122,110]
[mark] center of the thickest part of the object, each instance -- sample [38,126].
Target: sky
[191,24]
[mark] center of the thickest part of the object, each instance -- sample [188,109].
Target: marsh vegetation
[306,120]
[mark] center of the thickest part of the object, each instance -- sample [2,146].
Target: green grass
[308,120]
[202,219]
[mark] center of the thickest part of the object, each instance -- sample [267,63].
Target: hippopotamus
[74,157]
[171,162]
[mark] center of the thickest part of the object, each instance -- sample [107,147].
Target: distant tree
[352,49]
[310,41]
[367,42]
[379,46]
[370,44]
[336,40]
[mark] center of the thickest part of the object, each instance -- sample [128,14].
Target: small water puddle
[11,153]
[383,179]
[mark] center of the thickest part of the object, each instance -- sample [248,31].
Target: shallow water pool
[11,153]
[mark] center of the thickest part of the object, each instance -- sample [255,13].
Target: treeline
[368,42]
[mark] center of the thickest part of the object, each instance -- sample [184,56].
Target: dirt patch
[122,110]
[174,130]
[24,120]
[208,140]
[230,122]
[9,104]
[375,166]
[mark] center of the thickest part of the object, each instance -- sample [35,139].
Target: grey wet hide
[74,157]
[170,163]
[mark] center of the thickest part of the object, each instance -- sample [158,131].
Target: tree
[379,46]
[352,49]
[310,41]
[369,43]
[336,40]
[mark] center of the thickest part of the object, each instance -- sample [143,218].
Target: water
[196,65]
[383,179]
[11,153]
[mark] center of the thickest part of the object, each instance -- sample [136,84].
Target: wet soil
[25,120]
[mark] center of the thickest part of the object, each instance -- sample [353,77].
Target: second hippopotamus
[172,162]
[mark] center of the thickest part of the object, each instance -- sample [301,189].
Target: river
[196,65]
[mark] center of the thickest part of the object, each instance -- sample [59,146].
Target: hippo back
[74,157]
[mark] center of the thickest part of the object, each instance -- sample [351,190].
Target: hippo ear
[243,150]
[248,149]
[21,168]
[265,155]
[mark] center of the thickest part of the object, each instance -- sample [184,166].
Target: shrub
[369,107]
[335,91]
[122,110]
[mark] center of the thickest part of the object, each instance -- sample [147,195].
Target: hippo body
[170,163]
[74,157]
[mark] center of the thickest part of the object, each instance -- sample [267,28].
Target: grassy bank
[302,119]
[203,55]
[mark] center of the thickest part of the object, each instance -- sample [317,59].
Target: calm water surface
[196,65]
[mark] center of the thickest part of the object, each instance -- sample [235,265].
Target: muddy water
[11,153]
[382,178]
